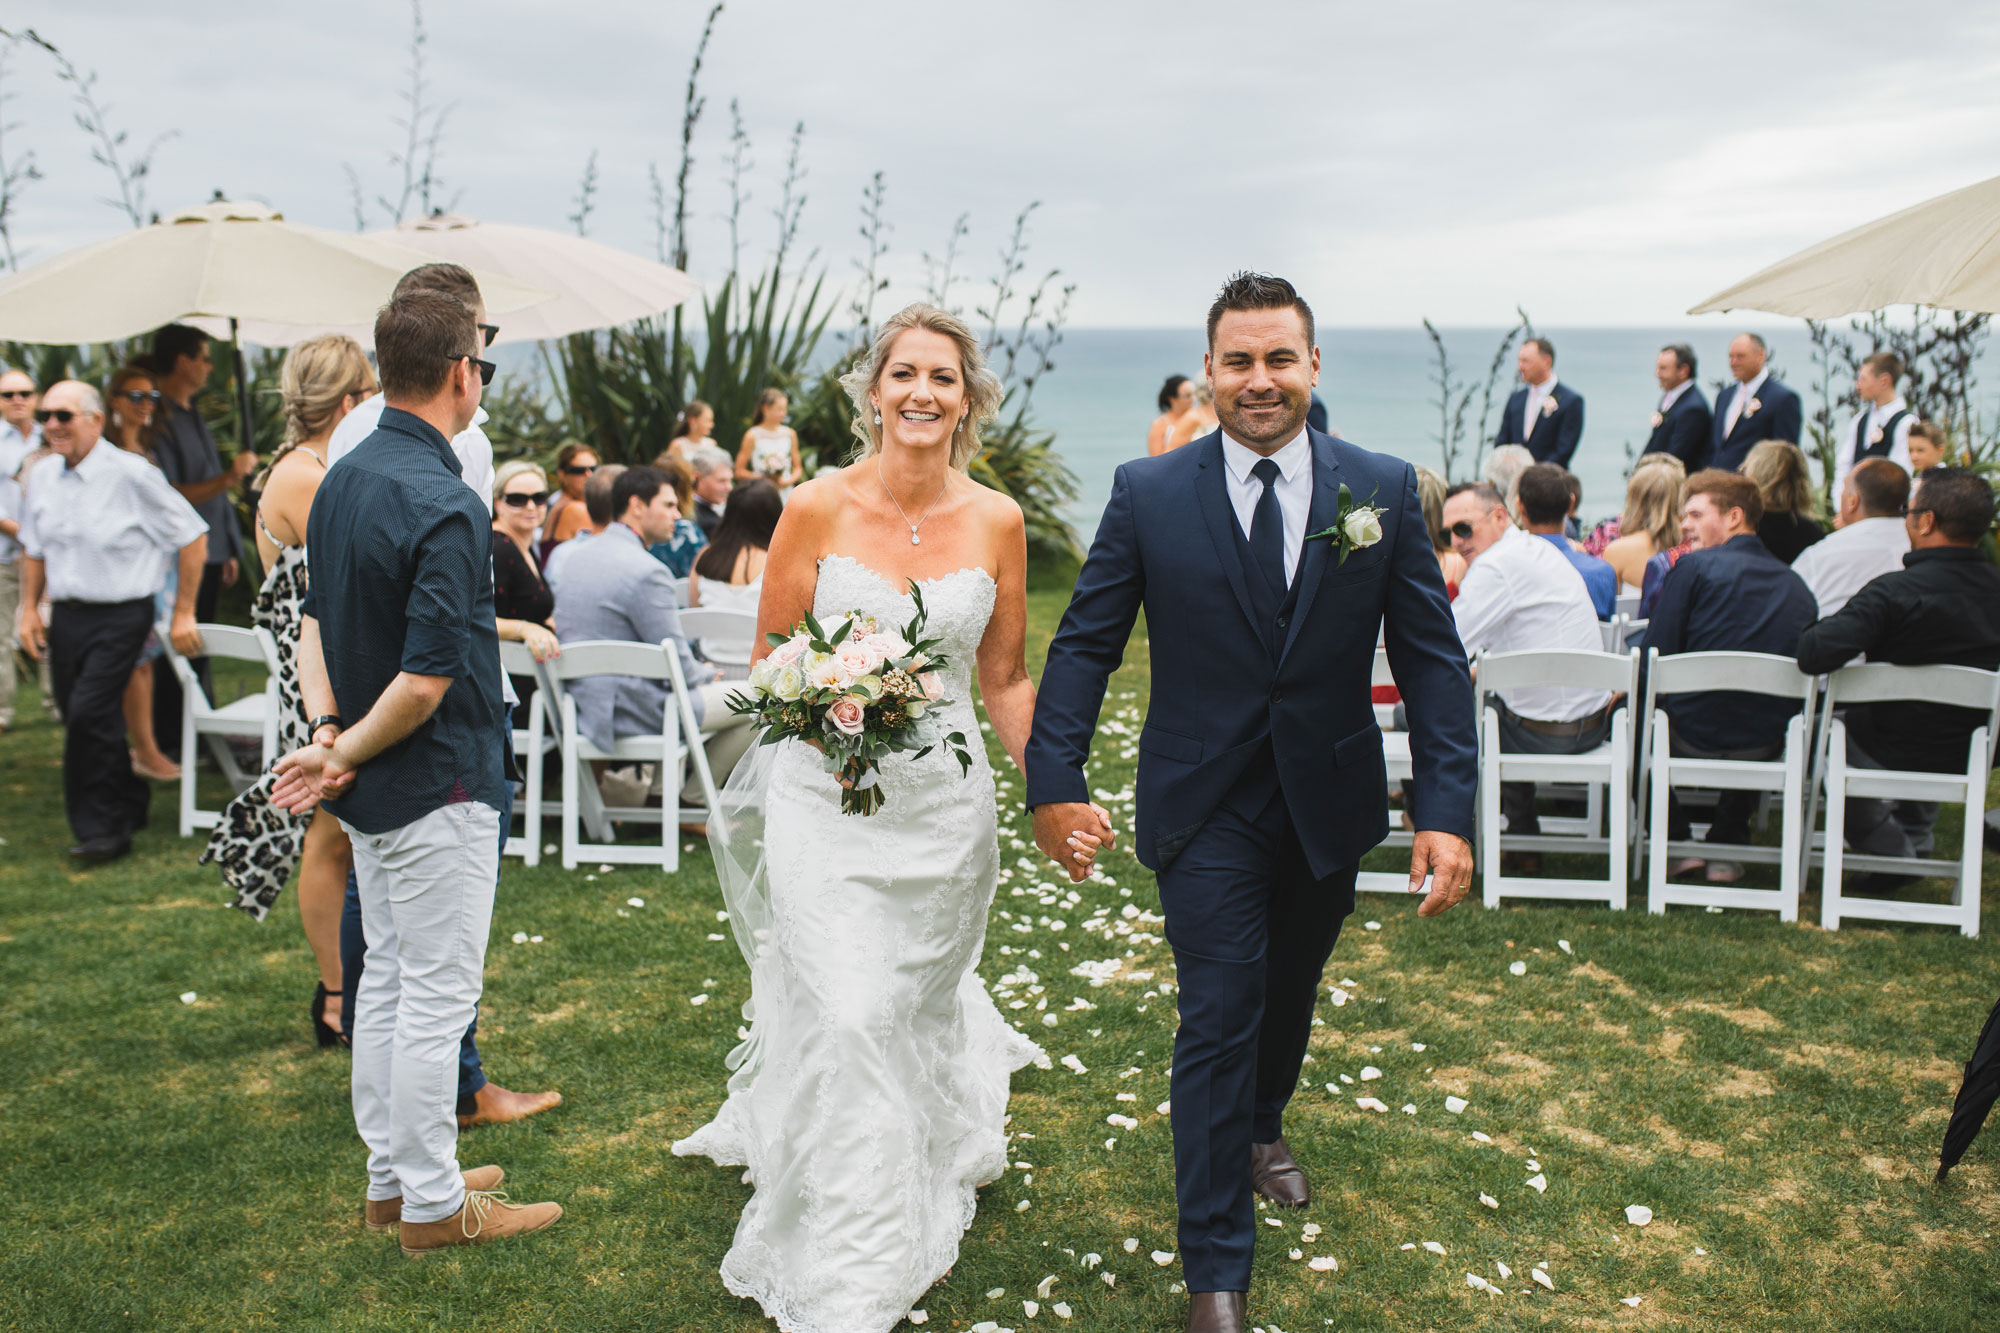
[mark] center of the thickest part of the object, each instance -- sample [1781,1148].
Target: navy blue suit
[1552,437]
[1779,416]
[1685,431]
[1261,781]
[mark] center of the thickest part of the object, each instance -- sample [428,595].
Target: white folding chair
[1612,631]
[532,745]
[681,591]
[1785,777]
[1608,768]
[252,715]
[1396,757]
[724,636]
[677,744]
[1628,604]
[1962,687]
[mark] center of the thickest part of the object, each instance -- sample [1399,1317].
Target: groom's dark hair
[1258,291]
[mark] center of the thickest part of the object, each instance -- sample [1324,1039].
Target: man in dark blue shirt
[399,663]
[1729,594]
[1542,497]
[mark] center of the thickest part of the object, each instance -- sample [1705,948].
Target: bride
[868,1101]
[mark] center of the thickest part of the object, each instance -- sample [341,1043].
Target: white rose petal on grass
[1340,997]
[534,939]
[1370,1104]
[635,902]
[715,939]
[1061,1308]
[1030,1309]
[1309,1232]
[1121,1121]
[996,1293]
[1534,1165]
[189,997]
[1074,1065]
[1369,1073]
[1160,1257]
[1544,1279]
[1539,1184]
[1417,1046]
[1108,1279]
[1131,1244]
[1409,1108]
[1371,925]
[697,1000]
[1273,1222]
[1045,1286]
[1433,1247]
[1632,1301]
[917,1316]
[1502,1269]
[1639,1215]
[1090,1261]
[1479,1137]
[1022,1206]
[1564,946]
[1455,1105]
[1165,1108]
[1518,968]
[1325,1263]
[520,937]
[1490,1202]
[1699,1251]
[1478,1283]
[590,879]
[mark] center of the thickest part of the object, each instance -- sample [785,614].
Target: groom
[1261,777]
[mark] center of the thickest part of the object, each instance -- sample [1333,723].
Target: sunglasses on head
[1462,531]
[523,499]
[489,332]
[17,393]
[578,469]
[58,414]
[485,368]
[139,395]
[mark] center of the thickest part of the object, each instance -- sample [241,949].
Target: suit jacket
[1168,544]
[612,589]
[1553,436]
[1779,416]
[1685,431]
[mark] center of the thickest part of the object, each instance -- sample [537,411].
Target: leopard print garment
[257,844]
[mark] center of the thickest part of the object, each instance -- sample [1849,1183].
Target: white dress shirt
[1744,393]
[1523,595]
[473,450]
[1673,395]
[1532,408]
[1877,416]
[106,528]
[1294,488]
[14,447]
[1849,558]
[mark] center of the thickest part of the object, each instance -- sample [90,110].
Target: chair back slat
[515,659]
[609,657]
[1745,673]
[232,641]
[725,634]
[1575,668]
[1882,682]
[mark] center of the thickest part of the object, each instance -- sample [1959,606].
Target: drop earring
[878,417]
[961,425]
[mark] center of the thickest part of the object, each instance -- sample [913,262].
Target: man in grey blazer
[612,589]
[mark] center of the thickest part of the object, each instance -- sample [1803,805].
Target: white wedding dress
[868,1102]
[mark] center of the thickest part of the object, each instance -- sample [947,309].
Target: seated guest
[1545,417]
[1930,446]
[1542,503]
[677,553]
[714,478]
[1868,538]
[1942,607]
[1682,421]
[730,572]
[1881,429]
[1503,470]
[1791,510]
[597,505]
[1522,594]
[611,589]
[522,602]
[1728,594]
[1430,494]
[1572,526]
[575,462]
[1651,522]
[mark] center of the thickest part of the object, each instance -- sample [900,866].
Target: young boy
[1929,446]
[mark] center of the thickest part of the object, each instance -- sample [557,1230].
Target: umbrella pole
[242,387]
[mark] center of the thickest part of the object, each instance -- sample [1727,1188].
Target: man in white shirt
[19,437]
[99,526]
[1868,539]
[1521,594]
[1881,429]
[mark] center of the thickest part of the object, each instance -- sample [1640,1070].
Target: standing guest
[1541,505]
[19,437]
[522,603]
[575,462]
[1542,415]
[400,665]
[1868,538]
[1758,406]
[1198,422]
[1729,594]
[99,526]
[129,409]
[1942,607]
[1791,510]
[730,572]
[257,844]
[770,448]
[1881,429]
[1651,522]
[678,552]
[696,421]
[1929,445]
[1682,424]
[1503,470]
[1522,594]
[714,478]
[186,452]
[1176,401]
[597,506]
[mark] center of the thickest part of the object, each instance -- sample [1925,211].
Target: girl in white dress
[770,448]
[868,1101]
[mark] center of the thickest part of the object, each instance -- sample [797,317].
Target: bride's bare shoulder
[995,508]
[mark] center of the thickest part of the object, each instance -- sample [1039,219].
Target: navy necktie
[1267,527]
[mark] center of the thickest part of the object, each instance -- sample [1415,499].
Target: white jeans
[426,907]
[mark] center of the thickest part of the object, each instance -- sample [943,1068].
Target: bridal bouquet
[861,690]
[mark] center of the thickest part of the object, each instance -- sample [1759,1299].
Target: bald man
[1758,406]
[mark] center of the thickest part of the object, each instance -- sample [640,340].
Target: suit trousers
[427,906]
[1251,929]
[92,648]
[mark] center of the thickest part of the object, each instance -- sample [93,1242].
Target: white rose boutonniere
[1356,527]
[1549,405]
[1751,408]
[1875,435]
[1659,420]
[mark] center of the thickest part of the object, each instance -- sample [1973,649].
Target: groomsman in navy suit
[1683,423]
[1543,415]
[1757,407]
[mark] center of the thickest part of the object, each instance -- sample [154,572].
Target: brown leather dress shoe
[481,1218]
[1215,1312]
[495,1105]
[387,1214]
[1276,1175]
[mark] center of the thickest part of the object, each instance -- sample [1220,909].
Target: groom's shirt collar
[1294,488]
[1294,460]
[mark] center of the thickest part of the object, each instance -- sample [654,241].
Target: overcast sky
[1601,163]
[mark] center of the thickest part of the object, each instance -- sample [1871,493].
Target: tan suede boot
[485,1216]
[385,1214]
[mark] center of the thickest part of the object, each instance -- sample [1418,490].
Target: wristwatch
[323,720]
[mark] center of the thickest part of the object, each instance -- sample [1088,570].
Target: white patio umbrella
[595,285]
[1944,252]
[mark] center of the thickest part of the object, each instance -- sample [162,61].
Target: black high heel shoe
[327,1036]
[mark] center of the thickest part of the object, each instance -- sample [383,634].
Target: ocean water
[1100,399]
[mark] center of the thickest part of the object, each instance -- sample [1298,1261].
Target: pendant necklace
[915,540]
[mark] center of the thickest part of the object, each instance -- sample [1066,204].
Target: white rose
[826,672]
[1363,528]
[787,682]
[760,675]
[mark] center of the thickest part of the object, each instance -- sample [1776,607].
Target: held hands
[1070,832]
[1447,859]
[310,775]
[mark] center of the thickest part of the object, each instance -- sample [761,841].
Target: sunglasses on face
[17,393]
[140,395]
[489,332]
[1462,531]
[485,368]
[61,415]
[578,469]
[523,499]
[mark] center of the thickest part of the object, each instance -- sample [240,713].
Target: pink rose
[888,644]
[788,652]
[847,715]
[858,659]
[933,687]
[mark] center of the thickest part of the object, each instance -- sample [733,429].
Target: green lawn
[1774,1093]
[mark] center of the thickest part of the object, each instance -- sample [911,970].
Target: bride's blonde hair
[983,390]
